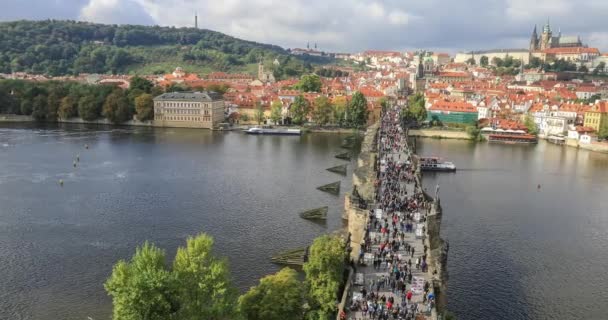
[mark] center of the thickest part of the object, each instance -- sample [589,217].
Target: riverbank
[600,147]
[358,205]
[439,134]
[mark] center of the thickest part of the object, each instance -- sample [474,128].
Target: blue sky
[345,25]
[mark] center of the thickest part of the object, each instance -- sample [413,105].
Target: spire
[547,28]
[195,20]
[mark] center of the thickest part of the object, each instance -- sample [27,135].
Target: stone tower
[261,74]
[534,40]
[546,37]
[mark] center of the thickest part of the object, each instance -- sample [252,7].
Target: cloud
[115,12]
[398,17]
[346,25]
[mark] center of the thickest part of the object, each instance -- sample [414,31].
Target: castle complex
[547,41]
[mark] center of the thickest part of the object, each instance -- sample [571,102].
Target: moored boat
[436,164]
[258,130]
[513,139]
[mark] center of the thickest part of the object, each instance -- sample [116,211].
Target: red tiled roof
[572,50]
[453,106]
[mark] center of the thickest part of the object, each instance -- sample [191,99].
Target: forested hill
[55,47]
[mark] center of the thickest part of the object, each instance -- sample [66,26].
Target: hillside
[68,47]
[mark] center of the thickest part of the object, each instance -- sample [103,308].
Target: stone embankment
[356,211]
[440,134]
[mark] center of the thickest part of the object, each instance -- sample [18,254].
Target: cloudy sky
[345,25]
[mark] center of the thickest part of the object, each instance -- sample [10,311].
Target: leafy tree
[259,113]
[357,112]
[144,106]
[116,107]
[324,273]
[603,132]
[276,112]
[140,83]
[530,125]
[417,107]
[473,132]
[39,106]
[53,102]
[583,68]
[309,83]
[299,110]
[535,62]
[26,107]
[141,289]
[323,112]
[339,110]
[204,288]
[219,88]
[471,61]
[88,108]
[600,68]
[68,108]
[483,61]
[244,117]
[497,62]
[277,297]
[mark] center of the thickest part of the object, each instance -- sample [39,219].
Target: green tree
[497,62]
[417,107]
[530,125]
[484,61]
[357,112]
[68,108]
[600,68]
[603,132]
[144,106]
[276,112]
[141,289]
[53,104]
[324,274]
[471,61]
[259,113]
[299,110]
[583,68]
[474,133]
[204,288]
[141,84]
[309,83]
[323,112]
[277,297]
[26,107]
[39,107]
[339,111]
[116,107]
[88,107]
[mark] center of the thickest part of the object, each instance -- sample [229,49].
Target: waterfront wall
[363,181]
[443,134]
[594,146]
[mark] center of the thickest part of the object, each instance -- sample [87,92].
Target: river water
[517,251]
[58,244]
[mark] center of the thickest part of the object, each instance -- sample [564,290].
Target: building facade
[189,109]
[596,117]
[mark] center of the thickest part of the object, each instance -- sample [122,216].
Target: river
[58,244]
[517,251]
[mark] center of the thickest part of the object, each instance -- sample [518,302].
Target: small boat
[269,130]
[436,164]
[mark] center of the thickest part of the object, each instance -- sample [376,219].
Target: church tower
[534,40]
[547,37]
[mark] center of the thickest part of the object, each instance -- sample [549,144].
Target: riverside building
[189,109]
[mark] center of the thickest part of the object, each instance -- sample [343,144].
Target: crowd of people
[395,224]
